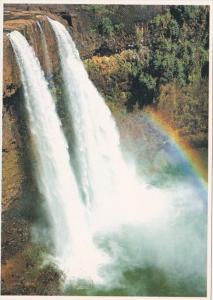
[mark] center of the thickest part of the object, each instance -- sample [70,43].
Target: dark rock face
[24,18]
[82,22]
[19,193]
[20,197]
[67,17]
[14,146]
[26,24]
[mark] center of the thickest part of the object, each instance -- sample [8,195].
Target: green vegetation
[106,27]
[168,66]
[96,8]
[119,17]
[147,281]
[177,42]
[187,108]
[112,75]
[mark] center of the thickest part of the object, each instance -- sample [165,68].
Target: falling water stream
[127,216]
[55,177]
[109,226]
[47,60]
[97,143]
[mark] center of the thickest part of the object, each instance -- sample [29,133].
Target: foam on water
[98,204]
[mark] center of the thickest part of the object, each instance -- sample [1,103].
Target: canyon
[112,53]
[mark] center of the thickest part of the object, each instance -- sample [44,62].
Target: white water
[114,196]
[159,231]
[47,60]
[71,237]
[96,138]
[109,186]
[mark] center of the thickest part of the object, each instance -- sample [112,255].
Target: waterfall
[111,190]
[56,181]
[133,219]
[45,50]
[103,173]
[95,201]
[47,61]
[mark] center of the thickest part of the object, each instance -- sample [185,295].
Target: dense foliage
[177,41]
[114,17]
[167,67]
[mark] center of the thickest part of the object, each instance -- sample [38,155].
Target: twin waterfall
[56,181]
[72,201]
[103,218]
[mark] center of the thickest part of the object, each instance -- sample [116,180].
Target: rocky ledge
[26,23]
[84,23]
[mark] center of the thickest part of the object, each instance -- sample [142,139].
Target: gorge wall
[18,189]
[19,192]
[84,22]
[14,130]
[119,54]
[114,45]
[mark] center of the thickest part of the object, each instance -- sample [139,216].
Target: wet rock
[27,25]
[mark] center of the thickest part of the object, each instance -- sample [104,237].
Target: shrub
[106,27]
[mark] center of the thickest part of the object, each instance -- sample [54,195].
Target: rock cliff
[113,56]
[14,146]
[82,22]
[26,23]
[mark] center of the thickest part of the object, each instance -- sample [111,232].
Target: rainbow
[191,155]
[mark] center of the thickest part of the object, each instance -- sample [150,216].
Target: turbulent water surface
[115,230]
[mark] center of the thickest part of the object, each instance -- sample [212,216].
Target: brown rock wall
[13,175]
[26,24]
[16,160]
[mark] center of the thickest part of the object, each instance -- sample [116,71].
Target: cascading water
[56,181]
[103,172]
[141,227]
[96,137]
[47,60]
[146,231]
